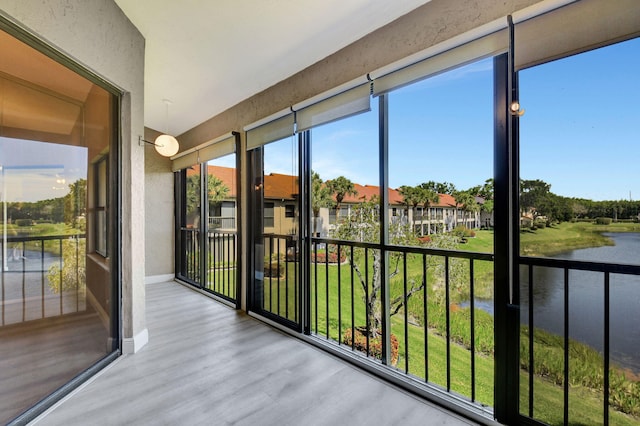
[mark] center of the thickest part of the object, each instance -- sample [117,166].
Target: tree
[72,274]
[411,197]
[428,196]
[75,203]
[320,197]
[533,193]
[364,226]
[439,188]
[467,201]
[216,192]
[341,187]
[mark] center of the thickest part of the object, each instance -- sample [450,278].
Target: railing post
[506,245]
[385,304]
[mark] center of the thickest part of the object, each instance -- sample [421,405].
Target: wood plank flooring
[37,357]
[206,364]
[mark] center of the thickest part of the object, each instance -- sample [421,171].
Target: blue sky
[38,171]
[580,132]
[581,129]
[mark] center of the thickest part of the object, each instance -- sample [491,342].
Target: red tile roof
[278,186]
[226,174]
[281,186]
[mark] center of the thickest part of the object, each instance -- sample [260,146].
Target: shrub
[375,344]
[273,269]
[463,232]
[603,221]
[321,257]
[24,222]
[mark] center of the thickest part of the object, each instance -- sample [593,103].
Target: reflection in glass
[56,283]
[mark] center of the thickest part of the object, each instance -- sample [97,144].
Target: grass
[331,315]
[423,355]
[567,236]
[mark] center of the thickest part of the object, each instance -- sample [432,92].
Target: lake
[586,294]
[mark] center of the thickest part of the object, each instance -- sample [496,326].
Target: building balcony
[219,366]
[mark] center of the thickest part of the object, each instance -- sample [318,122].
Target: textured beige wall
[98,35]
[159,211]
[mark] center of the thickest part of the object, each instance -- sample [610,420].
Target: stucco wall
[159,208]
[99,36]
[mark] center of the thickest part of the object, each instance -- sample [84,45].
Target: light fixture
[165,144]
[515,109]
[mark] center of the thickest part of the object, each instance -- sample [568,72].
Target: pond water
[586,300]
[586,296]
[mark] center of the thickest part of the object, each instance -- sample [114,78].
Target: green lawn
[338,305]
[568,236]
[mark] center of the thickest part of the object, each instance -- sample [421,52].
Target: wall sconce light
[515,109]
[166,145]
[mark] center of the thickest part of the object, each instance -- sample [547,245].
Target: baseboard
[131,345]
[155,279]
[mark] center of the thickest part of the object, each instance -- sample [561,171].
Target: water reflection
[586,296]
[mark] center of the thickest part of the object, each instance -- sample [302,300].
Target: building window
[268,215]
[289,210]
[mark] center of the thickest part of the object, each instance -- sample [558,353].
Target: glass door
[276,228]
[59,242]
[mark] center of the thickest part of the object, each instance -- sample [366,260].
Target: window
[579,203]
[345,157]
[268,215]
[289,211]
[206,190]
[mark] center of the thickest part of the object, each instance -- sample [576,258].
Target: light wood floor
[206,364]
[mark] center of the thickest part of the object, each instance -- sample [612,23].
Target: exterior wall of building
[99,36]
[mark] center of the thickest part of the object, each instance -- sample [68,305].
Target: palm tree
[341,187]
[428,196]
[320,197]
[467,201]
[411,197]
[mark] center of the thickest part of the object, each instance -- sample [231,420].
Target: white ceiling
[207,55]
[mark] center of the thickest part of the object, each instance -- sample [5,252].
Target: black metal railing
[190,267]
[222,264]
[222,222]
[35,283]
[563,270]
[424,315]
[281,271]
[220,274]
